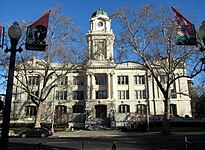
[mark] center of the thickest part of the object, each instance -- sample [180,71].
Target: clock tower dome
[100,37]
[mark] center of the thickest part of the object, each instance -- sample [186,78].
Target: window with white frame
[62,81]
[123,80]
[140,79]
[101,94]
[140,94]
[33,80]
[123,94]
[61,95]
[124,108]
[30,111]
[78,80]
[78,95]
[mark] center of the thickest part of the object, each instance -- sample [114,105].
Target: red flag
[41,21]
[36,34]
[186,33]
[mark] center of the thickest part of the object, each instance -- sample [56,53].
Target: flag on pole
[36,34]
[186,34]
[1,36]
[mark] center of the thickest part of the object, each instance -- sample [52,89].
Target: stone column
[112,88]
[88,86]
[92,87]
[108,86]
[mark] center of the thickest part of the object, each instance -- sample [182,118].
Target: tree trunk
[166,123]
[38,115]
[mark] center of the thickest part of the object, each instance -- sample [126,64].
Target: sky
[81,10]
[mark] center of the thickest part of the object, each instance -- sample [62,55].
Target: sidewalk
[114,133]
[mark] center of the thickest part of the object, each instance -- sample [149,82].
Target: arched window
[61,113]
[141,109]
[124,108]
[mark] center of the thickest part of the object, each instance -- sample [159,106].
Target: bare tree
[147,36]
[61,56]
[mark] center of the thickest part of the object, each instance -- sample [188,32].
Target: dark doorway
[101,111]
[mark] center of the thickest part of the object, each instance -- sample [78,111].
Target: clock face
[100,24]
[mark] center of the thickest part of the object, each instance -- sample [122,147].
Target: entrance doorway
[101,111]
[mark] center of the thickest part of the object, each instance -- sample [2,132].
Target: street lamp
[14,33]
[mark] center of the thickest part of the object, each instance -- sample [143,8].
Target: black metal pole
[7,108]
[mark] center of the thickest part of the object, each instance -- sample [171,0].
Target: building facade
[107,93]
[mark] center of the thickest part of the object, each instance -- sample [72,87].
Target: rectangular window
[140,94]
[78,95]
[173,94]
[123,80]
[139,79]
[101,80]
[33,80]
[101,94]
[30,111]
[78,80]
[124,94]
[62,81]
[61,95]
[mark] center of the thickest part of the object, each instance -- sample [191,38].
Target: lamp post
[14,33]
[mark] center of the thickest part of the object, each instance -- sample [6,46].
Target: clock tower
[100,38]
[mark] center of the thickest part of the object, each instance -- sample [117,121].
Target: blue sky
[81,10]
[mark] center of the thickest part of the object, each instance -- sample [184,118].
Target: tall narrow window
[139,79]
[30,111]
[78,95]
[101,94]
[164,79]
[140,94]
[173,109]
[123,80]
[33,80]
[78,80]
[61,95]
[123,94]
[62,81]
[101,79]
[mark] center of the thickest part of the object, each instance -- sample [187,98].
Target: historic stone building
[107,94]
